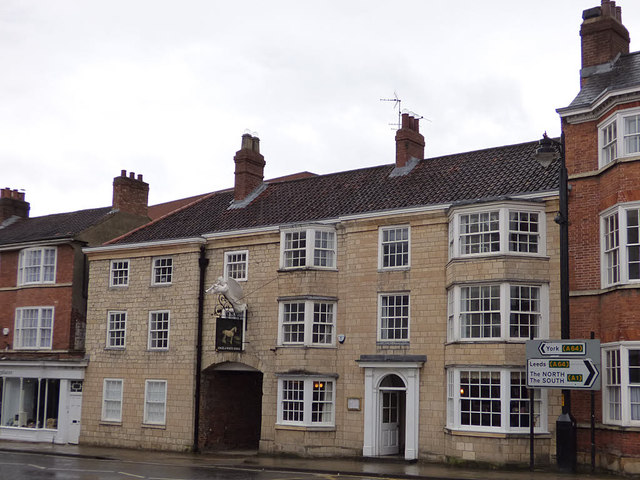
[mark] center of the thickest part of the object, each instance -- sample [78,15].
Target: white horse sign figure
[230,314]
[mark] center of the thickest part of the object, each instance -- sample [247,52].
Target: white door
[75,410]
[389,428]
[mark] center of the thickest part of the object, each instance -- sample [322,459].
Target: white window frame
[113,264]
[615,258]
[455,312]
[455,397]
[612,135]
[153,333]
[49,269]
[308,400]
[157,275]
[308,252]
[112,332]
[19,328]
[505,234]
[617,378]
[148,401]
[382,243]
[116,400]
[231,261]
[308,323]
[381,318]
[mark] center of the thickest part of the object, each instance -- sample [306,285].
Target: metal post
[531,430]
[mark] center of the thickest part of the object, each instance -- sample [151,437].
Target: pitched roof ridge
[177,210]
[76,212]
[486,149]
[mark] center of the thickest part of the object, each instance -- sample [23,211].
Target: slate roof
[484,174]
[52,227]
[625,73]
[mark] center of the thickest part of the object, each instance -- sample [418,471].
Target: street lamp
[548,151]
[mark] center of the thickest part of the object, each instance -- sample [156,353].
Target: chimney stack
[12,204]
[130,194]
[249,167]
[603,36]
[409,141]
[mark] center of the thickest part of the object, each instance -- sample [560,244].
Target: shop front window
[30,402]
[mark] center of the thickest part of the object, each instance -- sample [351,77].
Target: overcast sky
[167,88]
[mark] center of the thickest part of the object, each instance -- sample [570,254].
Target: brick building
[602,132]
[380,311]
[43,282]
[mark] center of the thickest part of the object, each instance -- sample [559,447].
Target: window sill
[303,269]
[393,343]
[474,433]
[118,287]
[612,427]
[160,285]
[154,426]
[108,423]
[394,269]
[115,349]
[494,255]
[490,341]
[306,428]
[312,347]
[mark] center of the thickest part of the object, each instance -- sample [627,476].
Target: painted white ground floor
[41,400]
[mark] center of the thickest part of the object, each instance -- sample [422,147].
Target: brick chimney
[12,204]
[249,167]
[409,141]
[603,36]
[130,194]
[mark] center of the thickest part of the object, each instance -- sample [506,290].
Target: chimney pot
[132,175]
[123,173]
[139,177]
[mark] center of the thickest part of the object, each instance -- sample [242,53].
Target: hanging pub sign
[230,313]
[230,332]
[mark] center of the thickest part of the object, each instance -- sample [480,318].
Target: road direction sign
[564,348]
[566,373]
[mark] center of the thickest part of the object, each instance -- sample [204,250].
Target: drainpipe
[203,262]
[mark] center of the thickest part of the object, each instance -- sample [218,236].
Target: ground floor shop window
[30,402]
[492,400]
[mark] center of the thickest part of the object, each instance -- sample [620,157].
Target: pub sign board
[230,332]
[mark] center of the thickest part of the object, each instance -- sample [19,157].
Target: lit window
[306,401]
[307,322]
[155,402]
[492,400]
[162,270]
[37,265]
[236,265]
[513,229]
[158,330]
[621,384]
[116,329]
[34,328]
[393,313]
[119,276]
[394,247]
[112,400]
[620,240]
[310,247]
[497,312]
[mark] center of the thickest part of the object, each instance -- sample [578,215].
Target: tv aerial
[397,102]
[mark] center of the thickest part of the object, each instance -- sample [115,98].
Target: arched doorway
[231,412]
[392,403]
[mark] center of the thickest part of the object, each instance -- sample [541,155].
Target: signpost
[566,364]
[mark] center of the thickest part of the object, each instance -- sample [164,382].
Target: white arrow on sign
[561,373]
[562,348]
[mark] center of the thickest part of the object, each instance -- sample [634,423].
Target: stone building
[379,311]
[602,131]
[43,282]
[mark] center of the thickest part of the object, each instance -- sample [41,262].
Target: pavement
[358,466]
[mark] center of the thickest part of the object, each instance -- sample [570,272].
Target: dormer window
[619,136]
[308,248]
[497,229]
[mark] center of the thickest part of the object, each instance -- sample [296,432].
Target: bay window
[621,384]
[620,245]
[492,399]
[619,136]
[497,311]
[37,265]
[497,229]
